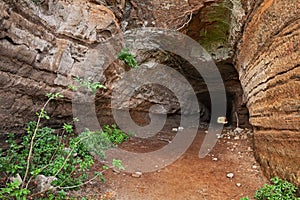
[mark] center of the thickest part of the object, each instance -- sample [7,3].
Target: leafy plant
[96,142]
[115,135]
[118,164]
[99,141]
[52,153]
[89,84]
[278,190]
[42,114]
[68,128]
[128,58]
[12,190]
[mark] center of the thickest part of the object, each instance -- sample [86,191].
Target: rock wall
[45,44]
[268,62]
[42,47]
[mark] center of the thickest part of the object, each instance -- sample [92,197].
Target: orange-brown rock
[268,62]
[42,46]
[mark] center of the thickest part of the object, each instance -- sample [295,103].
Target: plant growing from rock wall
[48,162]
[128,58]
[88,83]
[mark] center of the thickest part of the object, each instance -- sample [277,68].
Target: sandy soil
[189,177]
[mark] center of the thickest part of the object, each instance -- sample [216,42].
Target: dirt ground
[189,178]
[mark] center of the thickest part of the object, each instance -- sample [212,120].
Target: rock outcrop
[268,62]
[44,45]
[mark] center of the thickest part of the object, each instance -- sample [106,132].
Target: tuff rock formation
[268,62]
[41,47]
[255,45]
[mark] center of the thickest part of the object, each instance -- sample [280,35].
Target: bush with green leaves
[128,58]
[88,84]
[49,152]
[99,141]
[115,135]
[67,159]
[278,190]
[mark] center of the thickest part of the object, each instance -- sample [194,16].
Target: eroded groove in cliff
[259,87]
[265,46]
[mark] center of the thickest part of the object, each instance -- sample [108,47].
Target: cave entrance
[212,27]
[237,113]
[155,94]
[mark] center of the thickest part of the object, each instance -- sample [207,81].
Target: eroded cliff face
[42,47]
[268,62]
[256,42]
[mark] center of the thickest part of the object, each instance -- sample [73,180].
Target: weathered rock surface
[43,46]
[268,62]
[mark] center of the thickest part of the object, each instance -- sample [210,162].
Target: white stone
[137,174]
[180,128]
[230,175]
[44,182]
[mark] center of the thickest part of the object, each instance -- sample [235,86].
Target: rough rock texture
[42,46]
[184,16]
[268,62]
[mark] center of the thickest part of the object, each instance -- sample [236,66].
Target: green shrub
[99,141]
[115,135]
[278,190]
[96,142]
[12,190]
[65,158]
[57,153]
